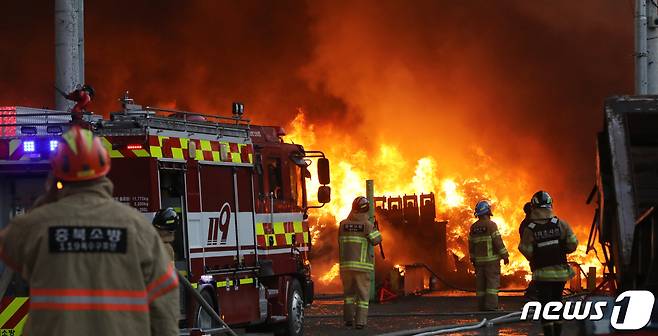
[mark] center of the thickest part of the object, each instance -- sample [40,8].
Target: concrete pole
[370,195]
[652,47]
[68,49]
[81,40]
[641,52]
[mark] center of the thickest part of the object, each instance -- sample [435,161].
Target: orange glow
[396,173]
[331,274]
[451,198]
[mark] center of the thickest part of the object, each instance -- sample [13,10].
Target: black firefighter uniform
[546,242]
[486,249]
[356,234]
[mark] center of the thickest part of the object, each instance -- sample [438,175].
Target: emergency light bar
[29,146]
[54,129]
[29,130]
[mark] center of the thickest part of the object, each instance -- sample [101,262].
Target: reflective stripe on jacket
[485,243]
[94,266]
[355,235]
[563,272]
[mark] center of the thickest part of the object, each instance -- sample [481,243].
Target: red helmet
[80,156]
[360,204]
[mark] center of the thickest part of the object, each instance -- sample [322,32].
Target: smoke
[509,91]
[516,83]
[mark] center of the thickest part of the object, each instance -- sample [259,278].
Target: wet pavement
[414,312]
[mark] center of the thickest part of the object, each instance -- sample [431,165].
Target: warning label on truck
[73,239]
[140,203]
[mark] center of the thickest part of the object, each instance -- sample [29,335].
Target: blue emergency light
[29,146]
[53,145]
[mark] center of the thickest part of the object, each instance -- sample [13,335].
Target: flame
[451,198]
[331,274]
[398,174]
[459,254]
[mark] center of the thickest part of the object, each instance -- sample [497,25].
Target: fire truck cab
[239,189]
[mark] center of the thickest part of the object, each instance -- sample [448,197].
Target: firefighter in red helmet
[356,261]
[82,97]
[94,265]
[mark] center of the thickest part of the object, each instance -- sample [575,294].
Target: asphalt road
[324,316]
[414,312]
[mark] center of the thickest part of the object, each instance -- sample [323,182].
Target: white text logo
[632,310]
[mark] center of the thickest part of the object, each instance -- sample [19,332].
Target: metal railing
[175,120]
[15,121]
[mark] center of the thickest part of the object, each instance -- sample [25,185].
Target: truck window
[274,176]
[172,194]
[296,186]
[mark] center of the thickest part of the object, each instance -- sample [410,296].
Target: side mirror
[324,194]
[323,171]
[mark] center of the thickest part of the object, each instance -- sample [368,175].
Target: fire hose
[206,306]
[437,330]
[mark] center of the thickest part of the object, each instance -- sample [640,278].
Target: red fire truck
[240,189]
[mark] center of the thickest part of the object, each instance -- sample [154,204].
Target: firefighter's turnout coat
[546,241]
[486,249]
[94,266]
[355,236]
[168,240]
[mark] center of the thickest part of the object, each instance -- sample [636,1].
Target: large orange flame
[397,174]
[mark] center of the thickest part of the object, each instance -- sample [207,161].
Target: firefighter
[546,243]
[531,291]
[486,249]
[166,221]
[82,97]
[355,235]
[94,265]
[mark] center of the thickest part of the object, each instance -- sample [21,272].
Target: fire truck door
[226,236]
[17,194]
[245,219]
[172,195]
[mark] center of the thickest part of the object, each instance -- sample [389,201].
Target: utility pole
[652,47]
[646,47]
[641,51]
[69,49]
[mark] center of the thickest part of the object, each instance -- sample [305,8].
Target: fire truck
[239,188]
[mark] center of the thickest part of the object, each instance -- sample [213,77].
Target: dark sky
[524,80]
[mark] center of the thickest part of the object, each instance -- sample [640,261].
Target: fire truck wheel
[295,324]
[203,319]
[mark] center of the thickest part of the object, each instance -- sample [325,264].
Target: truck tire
[294,326]
[202,319]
